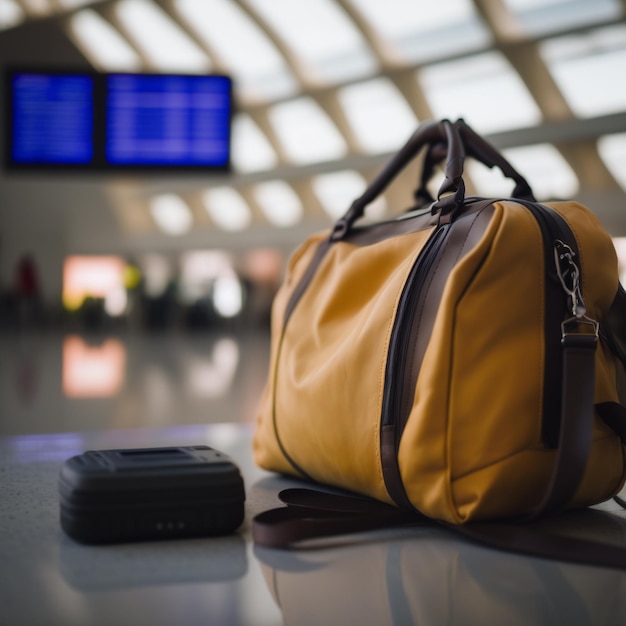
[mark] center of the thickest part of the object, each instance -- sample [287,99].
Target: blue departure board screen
[89,121]
[168,120]
[53,120]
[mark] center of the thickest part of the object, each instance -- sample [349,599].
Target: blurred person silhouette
[160,311]
[27,293]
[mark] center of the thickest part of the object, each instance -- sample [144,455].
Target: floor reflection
[123,566]
[53,382]
[431,578]
[93,371]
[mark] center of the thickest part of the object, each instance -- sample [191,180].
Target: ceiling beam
[562,132]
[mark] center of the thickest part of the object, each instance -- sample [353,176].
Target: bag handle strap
[311,514]
[481,150]
[460,141]
[452,191]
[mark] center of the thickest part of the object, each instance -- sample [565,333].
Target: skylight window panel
[484,90]
[11,13]
[338,190]
[160,39]
[322,35]
[259,69]
[543,166]
[612,149]
[171,214]
[102,44]
[279,202]
[420,31]
[252,150]
[590,69]
[378,114]
[227,208]
[306,132]
[538,17]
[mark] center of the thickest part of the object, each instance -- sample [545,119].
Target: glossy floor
[52,382]
[396,577]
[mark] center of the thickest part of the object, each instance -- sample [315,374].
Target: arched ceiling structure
[328,89]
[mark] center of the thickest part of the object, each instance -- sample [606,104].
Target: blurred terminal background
[141,298]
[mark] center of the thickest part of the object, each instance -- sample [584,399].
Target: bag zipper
[401,344]
[404,331]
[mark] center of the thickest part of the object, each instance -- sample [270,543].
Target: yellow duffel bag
[465,360]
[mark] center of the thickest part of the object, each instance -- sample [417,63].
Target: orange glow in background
[96,276]
[93,371]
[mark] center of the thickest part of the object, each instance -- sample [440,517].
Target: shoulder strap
[311,514]
[576,425]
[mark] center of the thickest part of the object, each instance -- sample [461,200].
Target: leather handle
[479,149]
[483,151]
[452,191]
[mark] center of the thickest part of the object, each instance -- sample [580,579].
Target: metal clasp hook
[569,276]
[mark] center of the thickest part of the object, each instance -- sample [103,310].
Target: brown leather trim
[307,277]
[390,467]
[369,235]
[403,225]
[463,236]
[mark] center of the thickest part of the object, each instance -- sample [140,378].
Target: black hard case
[111,496]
